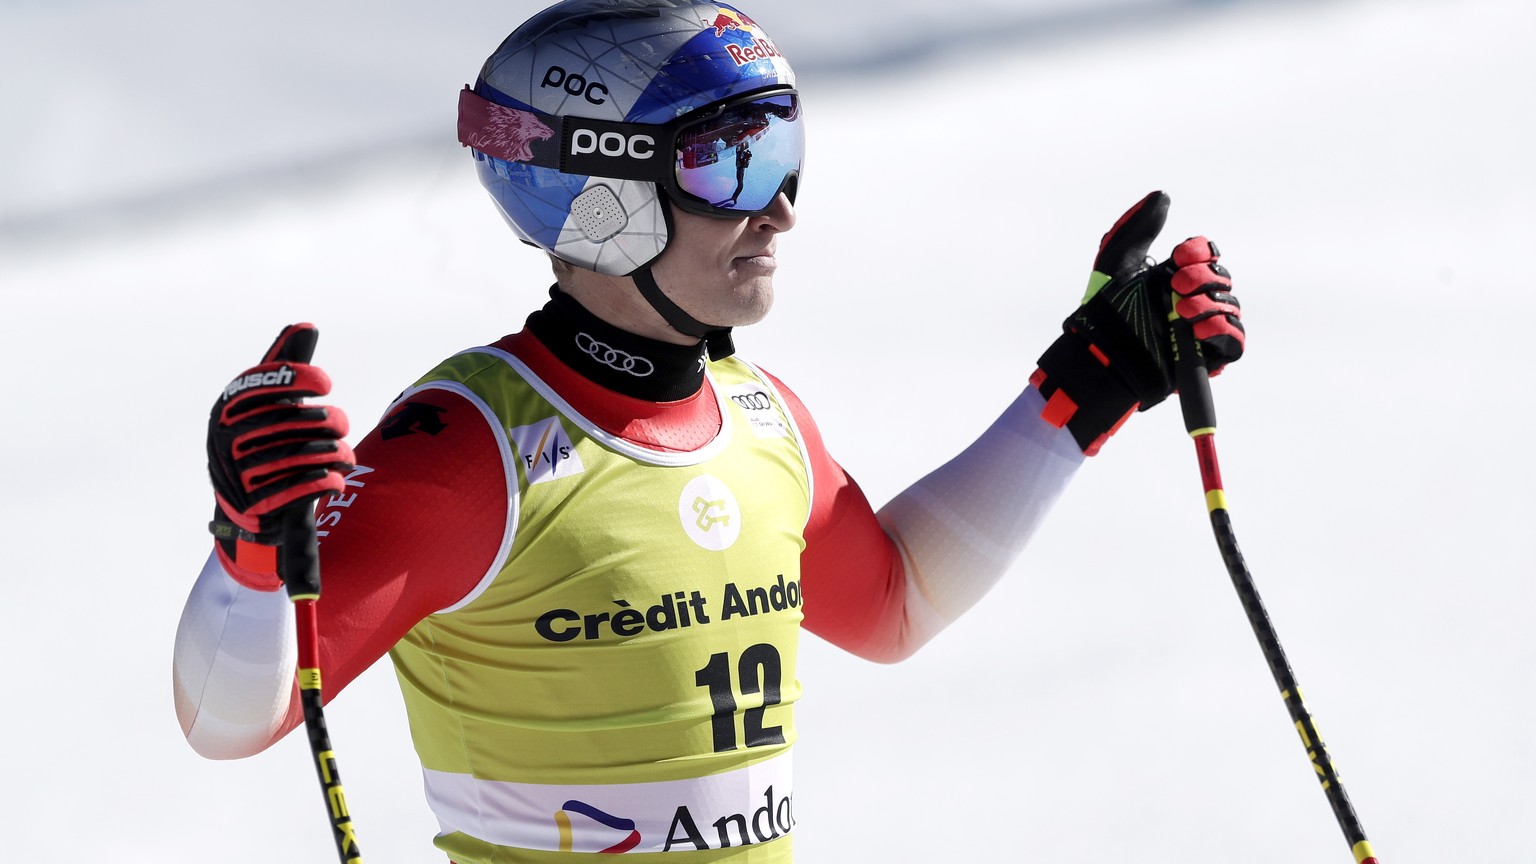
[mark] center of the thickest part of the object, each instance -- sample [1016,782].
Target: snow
[113,105]
[1363,164]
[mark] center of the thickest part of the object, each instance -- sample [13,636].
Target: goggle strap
[623,151]
[584,146]
[572,145]
[508,134]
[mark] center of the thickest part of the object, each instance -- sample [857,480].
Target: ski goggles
[730,159]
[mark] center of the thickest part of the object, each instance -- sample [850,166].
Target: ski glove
[268,452]
[1115,356]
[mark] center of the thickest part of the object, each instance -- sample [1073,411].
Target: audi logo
[755,401]
[613,358]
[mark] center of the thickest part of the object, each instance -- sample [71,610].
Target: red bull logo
[762,48]
[730,19]
[758,46]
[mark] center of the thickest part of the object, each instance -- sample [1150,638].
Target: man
[589,547]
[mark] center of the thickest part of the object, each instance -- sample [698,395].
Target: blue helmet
[594,114]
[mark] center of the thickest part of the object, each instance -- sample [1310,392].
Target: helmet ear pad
[615,226]
[612,226]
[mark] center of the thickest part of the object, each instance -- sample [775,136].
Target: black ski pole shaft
[1200,421]
[300,570]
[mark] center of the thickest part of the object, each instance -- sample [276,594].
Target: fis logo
[608,827]
[546,451]
[276,378]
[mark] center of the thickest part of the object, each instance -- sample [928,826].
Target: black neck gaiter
[617,359]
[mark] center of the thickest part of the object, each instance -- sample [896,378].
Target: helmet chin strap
[717,340]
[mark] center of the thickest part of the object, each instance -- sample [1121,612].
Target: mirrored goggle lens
[737,160]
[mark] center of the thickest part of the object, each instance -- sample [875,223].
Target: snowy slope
[1363,164]
[122,106]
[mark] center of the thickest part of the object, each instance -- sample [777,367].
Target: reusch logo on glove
[276,378]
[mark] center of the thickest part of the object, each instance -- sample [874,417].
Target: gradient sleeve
[421,523]
[881,585]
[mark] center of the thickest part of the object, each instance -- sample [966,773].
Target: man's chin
[754,300]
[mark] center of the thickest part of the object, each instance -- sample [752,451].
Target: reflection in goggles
[738,160]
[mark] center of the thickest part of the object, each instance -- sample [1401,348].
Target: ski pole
[299,567]
[1200,421]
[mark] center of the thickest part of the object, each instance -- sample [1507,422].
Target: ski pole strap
[225,530]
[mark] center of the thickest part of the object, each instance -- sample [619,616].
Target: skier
[590,546]
[743,159]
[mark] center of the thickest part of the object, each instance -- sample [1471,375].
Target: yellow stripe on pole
[1215,500]
[1363,851]
[1203,430]
[309,679]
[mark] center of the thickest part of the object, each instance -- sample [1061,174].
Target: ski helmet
[594,114]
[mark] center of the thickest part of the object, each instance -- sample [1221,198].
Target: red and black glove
[1202,291]
[268,453]
[1115,355]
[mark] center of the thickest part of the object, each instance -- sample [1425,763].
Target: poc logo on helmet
[575,85]
[612,144]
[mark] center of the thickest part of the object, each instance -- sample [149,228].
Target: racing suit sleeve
[420,524]
[881,585]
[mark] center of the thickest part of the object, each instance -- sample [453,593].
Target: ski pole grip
[1193,381]
[298,562]
[298,552]
[1190,377]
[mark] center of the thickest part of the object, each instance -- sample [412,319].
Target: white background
[1364,165]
